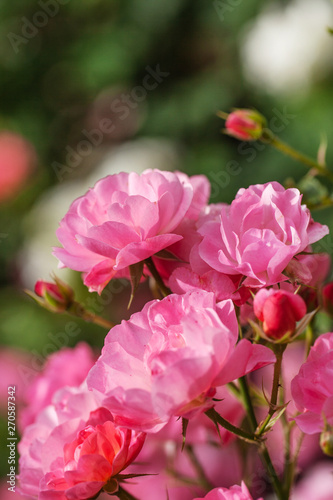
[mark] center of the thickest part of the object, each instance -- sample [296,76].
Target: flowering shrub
[232,286]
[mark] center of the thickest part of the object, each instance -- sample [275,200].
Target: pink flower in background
[74,449]
[278,310]
[12,366]
[126,218]
[317,484]
[327,295]
[168,359]
[312,388]
[234,493]
[67,367]
[17,160]
[259,233]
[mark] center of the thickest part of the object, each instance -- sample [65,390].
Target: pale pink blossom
[168,359]
[312,388]
[126,218]
[259,233]
[234,493]
[67,367]
[74,449]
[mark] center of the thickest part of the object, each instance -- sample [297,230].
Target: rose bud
[278,310]
[326,442]
[56,297]
[245,124]
[328,298]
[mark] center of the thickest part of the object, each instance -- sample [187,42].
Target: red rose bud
[327,294]
[56,297]
[278,310]
[245,124]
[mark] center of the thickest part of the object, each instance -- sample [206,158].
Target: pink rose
[67,367]
[74,449]
[168,359]
[259,233]
[312,388]
[234,493]
[279,311]
[124,219]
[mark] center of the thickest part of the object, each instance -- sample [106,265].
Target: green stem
[290,472]
[79,311]
[265,457]
[308,339]
[156,275]
[279,350]
[247,402]
[273,140]
[202,479]
[217,418]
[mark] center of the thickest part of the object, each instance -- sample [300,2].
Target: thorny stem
[270,138]
[265,457]
[279,350]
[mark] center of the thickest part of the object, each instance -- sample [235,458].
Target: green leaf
[136,272]
[166,255]
[184,430]
[301,325]
[273,421]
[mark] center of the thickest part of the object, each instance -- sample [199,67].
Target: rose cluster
[218,268]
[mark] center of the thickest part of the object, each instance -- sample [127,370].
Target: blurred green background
[68,65]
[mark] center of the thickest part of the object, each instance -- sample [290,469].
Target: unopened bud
[245,124]
[56,297]
[327,294]
[278,310]
[326,442]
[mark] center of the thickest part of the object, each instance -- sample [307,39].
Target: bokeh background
[89,88]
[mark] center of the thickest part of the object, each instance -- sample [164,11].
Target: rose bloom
[168,359]
[67,367]
[74,449]
[259,233]
[124,219]
[312,388]
[234,493]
